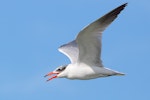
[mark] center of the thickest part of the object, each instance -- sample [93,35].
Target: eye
[59,69]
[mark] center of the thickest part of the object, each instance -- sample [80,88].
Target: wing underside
[70,50]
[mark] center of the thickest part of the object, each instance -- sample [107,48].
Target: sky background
[32,30]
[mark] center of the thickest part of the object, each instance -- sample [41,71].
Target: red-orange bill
[50,74]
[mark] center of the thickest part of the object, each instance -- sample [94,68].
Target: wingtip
[125,4]
[117,10]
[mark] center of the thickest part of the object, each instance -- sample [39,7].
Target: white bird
[84,52]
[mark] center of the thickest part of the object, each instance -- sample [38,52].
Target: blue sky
[32,30]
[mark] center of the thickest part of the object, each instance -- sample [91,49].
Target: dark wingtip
[126,4]
[109,17]
[120,8]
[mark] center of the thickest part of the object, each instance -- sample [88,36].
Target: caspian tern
[84,52]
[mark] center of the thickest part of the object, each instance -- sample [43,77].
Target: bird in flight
[84,52]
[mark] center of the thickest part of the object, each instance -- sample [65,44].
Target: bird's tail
[119,74]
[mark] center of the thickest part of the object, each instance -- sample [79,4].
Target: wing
[89,39]
[70,50]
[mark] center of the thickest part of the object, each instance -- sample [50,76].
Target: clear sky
[32,30]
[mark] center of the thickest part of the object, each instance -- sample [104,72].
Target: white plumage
[84,52]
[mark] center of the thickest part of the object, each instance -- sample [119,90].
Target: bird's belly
[84,73]
[85,76]
[87,72]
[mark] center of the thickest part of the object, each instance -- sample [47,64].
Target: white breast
[82,71]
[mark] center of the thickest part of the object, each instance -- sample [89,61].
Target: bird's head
[56,72]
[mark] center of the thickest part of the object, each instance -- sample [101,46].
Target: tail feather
[119,74]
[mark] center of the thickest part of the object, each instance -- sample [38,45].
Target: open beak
[53,74]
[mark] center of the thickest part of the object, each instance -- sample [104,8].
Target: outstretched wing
[70,50]
[89,39]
